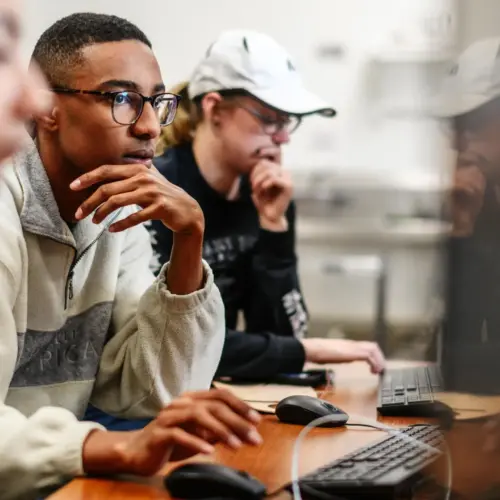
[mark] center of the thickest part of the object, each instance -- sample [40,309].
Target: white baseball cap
[472,81]
[255,63]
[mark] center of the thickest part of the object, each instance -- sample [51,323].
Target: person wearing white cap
[470,99]
[240,106]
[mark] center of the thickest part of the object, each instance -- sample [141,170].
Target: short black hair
[59,49]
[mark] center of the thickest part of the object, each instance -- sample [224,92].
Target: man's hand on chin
[142,185]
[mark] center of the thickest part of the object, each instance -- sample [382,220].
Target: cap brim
[294,101]
[452,106]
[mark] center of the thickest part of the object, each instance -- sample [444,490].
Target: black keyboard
[383,470]
[410,392]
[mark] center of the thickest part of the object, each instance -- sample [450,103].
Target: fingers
[371,353]
[240,427]
[122,200]
[165,437]
[235,403]
[201,416]
[262,168]
[269,180]
[133,219]
[221,422]
[344,351]
[265,171]
[259,178]
[375,357]
[233,414]
[104,193]
[107,173]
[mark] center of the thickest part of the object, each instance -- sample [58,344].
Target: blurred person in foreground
[23,94]
[470,100]
[82,317]
[244,100]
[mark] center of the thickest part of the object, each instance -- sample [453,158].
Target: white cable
[367,421]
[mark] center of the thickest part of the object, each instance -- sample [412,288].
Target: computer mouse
[302,410]
[206,480]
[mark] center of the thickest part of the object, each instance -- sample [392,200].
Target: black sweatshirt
[472,342]
[474,269]
[255,270]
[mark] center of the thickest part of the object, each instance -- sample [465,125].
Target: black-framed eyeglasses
[271,126]
[127,106]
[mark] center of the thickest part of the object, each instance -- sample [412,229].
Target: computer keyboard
[383,470]
[409,392]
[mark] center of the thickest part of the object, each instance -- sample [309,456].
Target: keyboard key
[347,464]
[392,403]
[362,456]
[414,463]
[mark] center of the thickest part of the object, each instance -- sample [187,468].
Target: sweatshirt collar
[40,213]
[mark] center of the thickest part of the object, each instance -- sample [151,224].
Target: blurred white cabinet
[413,261]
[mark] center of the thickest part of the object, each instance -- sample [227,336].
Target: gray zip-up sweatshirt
[82,319]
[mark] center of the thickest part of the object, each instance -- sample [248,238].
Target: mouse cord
[311,492]
[363,425]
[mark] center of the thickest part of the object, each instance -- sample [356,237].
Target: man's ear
[48,121]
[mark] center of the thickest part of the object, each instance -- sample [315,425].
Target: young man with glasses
[82,317]
[239,108]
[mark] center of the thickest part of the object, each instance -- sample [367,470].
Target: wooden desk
[355,392]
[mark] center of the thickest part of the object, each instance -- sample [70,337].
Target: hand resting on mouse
[190,425]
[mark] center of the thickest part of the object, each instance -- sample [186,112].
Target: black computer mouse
[206,480]
[302,410]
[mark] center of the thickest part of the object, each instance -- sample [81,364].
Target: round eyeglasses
[127,106]
[272,126]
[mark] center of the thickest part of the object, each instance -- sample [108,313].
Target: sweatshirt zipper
[68,296]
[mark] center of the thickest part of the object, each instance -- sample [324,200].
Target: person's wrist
[105,452]
[194,227]
[309,349]
[185,272]
[278,224]
[191,235]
